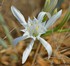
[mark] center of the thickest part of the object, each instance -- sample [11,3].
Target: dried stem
[36,54]
[64,50]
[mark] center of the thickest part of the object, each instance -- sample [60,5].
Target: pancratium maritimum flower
[34,29]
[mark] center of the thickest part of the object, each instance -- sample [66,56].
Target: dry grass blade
[36,54]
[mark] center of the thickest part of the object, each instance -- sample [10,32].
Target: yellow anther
[31,24]
[37,27]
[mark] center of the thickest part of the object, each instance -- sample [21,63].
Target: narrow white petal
[42,14]
[16,40]
[23,30]
[27,52]
[25,36]
[53,19]
[18,15]
[46,45]
[29,21]
[35,19]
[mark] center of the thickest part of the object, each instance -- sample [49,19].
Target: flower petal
[46,45]
[25,36]
[15,41]
[18,15]
[53,19]
[23,30]
[29,21]
[42,14]
[27,52]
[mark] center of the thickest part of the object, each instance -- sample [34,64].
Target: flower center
[35,28]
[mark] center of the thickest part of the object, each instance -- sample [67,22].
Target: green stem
[6,30]
[63,30]
[3,43]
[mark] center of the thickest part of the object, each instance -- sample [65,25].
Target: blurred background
[60,41]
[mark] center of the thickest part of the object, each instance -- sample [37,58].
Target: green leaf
[2,22]
[63,30]
[55,11]
[3,43]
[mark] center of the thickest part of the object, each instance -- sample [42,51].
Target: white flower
[33,29]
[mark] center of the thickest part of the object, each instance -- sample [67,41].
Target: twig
[36,54]
[64,50]
[9,32]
